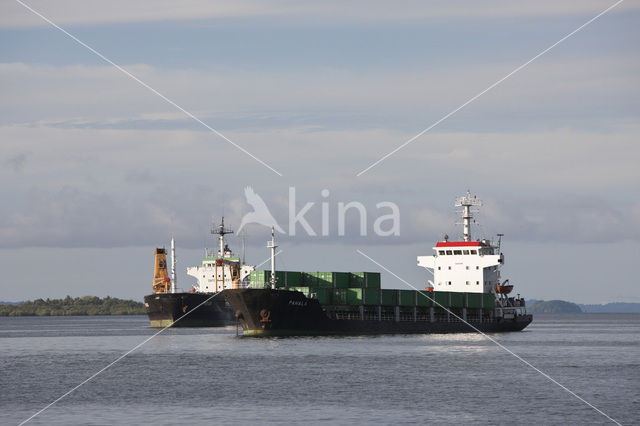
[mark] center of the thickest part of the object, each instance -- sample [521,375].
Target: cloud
[550,94]
[574,219]
[111,164]
[17,162]
[73,217]
[561,161]
[83,12]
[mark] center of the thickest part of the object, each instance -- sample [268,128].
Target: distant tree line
[87,305]
[552,307]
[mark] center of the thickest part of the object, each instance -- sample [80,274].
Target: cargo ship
[203,305]
[465,295]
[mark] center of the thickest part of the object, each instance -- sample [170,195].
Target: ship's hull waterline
[274,312]
[188,310]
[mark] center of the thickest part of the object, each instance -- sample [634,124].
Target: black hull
[289,313]
[165,309]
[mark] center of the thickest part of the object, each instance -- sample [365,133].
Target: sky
[97,169]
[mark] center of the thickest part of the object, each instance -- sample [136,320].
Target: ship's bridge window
[449,252]
[441,252]
[474,252]
[465,251]
[459,252]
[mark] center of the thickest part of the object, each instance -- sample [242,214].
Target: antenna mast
[272,245]
[466,202]
[173,265]
[221,231]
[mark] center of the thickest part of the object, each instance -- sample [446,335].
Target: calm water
[209,376]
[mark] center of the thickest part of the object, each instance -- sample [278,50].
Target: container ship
[465,295]
[203,305]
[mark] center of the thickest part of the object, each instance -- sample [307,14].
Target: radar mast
[466,202]
[221,231]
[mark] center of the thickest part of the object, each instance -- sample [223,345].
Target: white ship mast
[173,265]
[272,245]
[466,202]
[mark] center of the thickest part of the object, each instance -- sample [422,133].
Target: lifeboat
[504,288]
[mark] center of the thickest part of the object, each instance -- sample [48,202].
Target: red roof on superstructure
[460,244]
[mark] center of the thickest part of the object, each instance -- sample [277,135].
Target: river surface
[210,376]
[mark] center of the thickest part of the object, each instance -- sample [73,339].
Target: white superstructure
[465,266]
[220,270]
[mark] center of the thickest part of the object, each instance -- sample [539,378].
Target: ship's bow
[275,312]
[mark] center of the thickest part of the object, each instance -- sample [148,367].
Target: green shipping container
[324,284]
[309,279]
[259,276]
[474,300]
[356,279]
[488,300]
[322,294]
[340,279]
[339,296]
[441,298]
[372,279]
[354,296]
[457,300]
[371,296]
[283,278]
[323,279]
[364,279]
[425,298]
[389,297]
[406,298]
[294,279]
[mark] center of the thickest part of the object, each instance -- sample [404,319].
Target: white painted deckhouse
[222,270]
[465,266]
